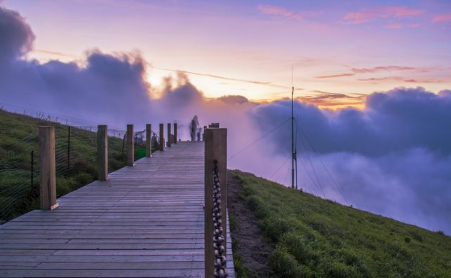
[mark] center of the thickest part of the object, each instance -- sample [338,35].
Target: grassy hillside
[313,237]
[75,165]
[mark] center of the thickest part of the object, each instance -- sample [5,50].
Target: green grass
[19,136]
[313,237]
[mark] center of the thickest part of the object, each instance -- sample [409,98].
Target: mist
[392,158]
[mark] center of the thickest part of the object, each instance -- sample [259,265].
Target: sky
[373,94]
[333,52]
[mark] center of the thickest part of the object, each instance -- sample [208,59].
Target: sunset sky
[116,62]
[248,48]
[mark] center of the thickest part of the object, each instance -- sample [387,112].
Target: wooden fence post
[215,151]
[148,140]
[169,135]
[161,137]
[130,146]
[47,168]
[175,133]
[102,152]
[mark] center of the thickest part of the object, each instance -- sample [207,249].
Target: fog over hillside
[391,158]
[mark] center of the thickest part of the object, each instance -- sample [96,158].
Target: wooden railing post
[175,133]
[215,152]
[169,135]
[148,140]
[102,152]
[47,168]
[130,146]
[161,137]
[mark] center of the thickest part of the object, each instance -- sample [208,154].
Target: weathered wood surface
[146,221]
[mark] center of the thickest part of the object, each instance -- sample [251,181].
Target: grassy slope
[19,136]
[319,238]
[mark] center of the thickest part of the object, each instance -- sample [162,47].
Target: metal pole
[292,139]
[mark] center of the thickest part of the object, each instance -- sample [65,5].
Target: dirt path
[250,244]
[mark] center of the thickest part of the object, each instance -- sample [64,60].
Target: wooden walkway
[146,221]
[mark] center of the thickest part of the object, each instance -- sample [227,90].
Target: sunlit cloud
[381,69]
[442,18]
[365,16]
[376,80]
[284,13]
[394,26]
[54,53]
[255,82]
[334,100]
[355,71]
[335,75]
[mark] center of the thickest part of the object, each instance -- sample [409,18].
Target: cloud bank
[392,158]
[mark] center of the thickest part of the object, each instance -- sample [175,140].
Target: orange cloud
[334,100]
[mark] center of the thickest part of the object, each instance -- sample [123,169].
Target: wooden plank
[146,221]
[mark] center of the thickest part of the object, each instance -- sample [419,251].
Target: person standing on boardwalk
[193,128]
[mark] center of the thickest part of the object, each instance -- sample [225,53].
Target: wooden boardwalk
[146,221]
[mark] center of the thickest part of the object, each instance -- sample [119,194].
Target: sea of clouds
[392,158]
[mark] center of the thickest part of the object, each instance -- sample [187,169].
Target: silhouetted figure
[193,128]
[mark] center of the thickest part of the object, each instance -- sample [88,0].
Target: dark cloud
[16,36]
[97,90]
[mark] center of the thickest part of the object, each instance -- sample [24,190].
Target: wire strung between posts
[280,167]
[220,270]
[263,136]
[320,160]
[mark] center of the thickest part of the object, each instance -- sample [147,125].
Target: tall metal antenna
[292,129]
[294,163]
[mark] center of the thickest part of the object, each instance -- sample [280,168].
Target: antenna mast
[294,164]
[292,130]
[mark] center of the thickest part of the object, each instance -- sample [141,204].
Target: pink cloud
[282,12]
[369,15]
[398,79]
[442,18]
[393,26]
[336,75]
[356,71]
[379,69]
